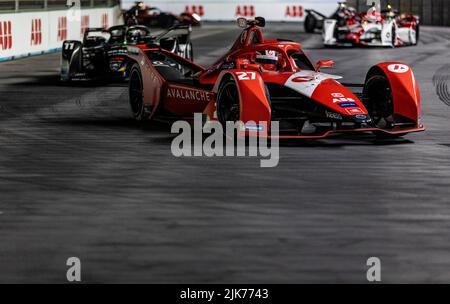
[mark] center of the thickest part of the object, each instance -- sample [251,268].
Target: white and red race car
[387,28]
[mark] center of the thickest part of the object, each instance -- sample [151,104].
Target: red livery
[259,81]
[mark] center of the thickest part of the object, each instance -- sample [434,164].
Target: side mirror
[242,22]
[324,64]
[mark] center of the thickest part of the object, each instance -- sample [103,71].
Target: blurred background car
[154,17]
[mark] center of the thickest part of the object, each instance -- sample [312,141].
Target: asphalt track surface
[79,178]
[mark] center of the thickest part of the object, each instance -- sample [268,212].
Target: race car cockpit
[137,34]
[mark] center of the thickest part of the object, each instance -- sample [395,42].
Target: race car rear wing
[175,31]
[179,32]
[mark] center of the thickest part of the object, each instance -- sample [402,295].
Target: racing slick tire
[394,36]
[380,104]
[136,96]
[310,24]
[417,34]
[228,102]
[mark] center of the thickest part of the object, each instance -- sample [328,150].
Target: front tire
[136,96]
[310,24]
[228,102]
[380,104]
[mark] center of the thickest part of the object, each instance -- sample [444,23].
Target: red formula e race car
[259,81]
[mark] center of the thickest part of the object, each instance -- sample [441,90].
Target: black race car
[103,53]
[154,17]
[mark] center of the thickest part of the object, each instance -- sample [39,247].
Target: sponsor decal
[133,50]
[361,116]
[355,111]
[337,95]
[254,127]
[294,11]
[348,104]
[245,11]
[36,32]
[188,94]
[303,79]
[164,63]
[333,115]
[228,65]
[62,28]
[398,68]
[259,128]
[340,98]
[343,99]
[5,35]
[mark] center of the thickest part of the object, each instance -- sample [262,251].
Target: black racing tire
[417,34]
[228,102]
[136,96]
[380,103]
[394,36]
[310,24]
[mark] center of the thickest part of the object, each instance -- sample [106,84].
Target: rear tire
[394,36]
[417,34]
[310,24]
[136,96]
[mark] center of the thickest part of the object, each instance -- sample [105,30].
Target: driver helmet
[390,12]
[268,60]
[135,35]
[373,14]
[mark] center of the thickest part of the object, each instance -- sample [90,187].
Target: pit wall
[33,33]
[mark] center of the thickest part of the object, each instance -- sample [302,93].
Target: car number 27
[246,75]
